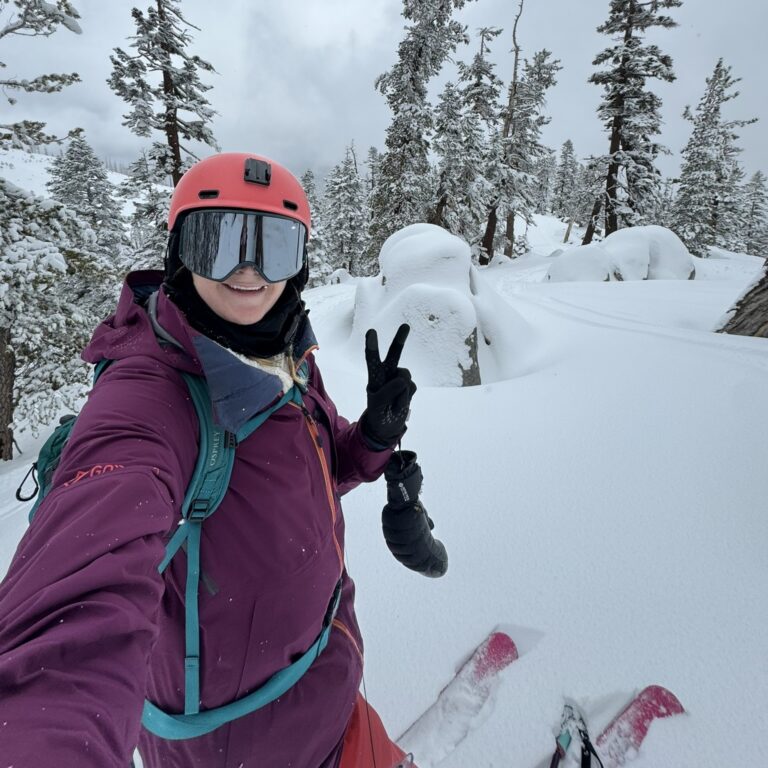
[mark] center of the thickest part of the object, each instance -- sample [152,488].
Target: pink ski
[438,731]
[622,737]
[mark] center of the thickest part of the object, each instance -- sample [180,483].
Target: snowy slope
[606,506]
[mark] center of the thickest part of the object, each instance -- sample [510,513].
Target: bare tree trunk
[7,376]
[487,242]
[589,234]
[509,247]
[568,231]
[437,214]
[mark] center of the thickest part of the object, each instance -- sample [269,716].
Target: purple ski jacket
[89,628]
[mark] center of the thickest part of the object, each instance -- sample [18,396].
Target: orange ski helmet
[236,208]
[240,180]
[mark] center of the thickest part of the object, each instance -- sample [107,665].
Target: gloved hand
[389,389]
[407,526]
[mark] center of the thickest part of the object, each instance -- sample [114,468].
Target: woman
[89,627]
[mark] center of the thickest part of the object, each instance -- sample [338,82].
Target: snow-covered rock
[462,332]
[581,262]
[635,253]
[655,250]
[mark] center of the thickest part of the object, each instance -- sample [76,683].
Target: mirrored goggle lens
[214,244]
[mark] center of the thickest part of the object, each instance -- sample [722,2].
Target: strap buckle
[198,510]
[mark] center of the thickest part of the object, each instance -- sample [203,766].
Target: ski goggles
[216,243]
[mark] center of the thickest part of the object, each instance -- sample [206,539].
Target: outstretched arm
[78,606]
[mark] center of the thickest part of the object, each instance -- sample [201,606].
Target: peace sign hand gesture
[389,389]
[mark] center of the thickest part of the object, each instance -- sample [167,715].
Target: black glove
[406,524]
[389,389]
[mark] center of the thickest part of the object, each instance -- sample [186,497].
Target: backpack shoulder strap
[205,492]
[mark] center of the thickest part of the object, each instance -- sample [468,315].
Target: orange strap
[366,744]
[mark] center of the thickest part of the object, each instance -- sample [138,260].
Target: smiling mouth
[246,289]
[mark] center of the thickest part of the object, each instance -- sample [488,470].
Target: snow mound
[581,262]
[635,253]
[462,332]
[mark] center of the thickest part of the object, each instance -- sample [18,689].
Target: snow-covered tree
[461,150]
[52,294]
[466,118]
[319,265]
[373,164]
[346,218]
[756,216]
[402,190]
[708,172]
[565,192]
[149,222]
[630,112]
[33,18]
[590,193]
[515,153]
[79,180]
[161,83]
[545,171]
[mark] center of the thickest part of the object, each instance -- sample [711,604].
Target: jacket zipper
[317,442]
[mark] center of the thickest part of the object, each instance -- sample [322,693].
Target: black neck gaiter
[273,334]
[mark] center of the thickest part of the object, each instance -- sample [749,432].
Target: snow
[601,495]
[461,330]
[638,253]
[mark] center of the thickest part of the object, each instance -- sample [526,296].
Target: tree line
[473,163]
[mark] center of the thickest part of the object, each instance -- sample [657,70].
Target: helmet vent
[208,194]
[291,206]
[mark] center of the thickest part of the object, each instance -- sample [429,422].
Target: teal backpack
[206,490]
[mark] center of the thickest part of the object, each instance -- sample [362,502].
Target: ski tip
[662,699]
[497,652]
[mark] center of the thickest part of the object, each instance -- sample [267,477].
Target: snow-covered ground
[606,506]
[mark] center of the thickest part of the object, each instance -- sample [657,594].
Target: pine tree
[79,180]
[566,182]
[461,150]
[756,216]
[700,216]
[465,119]
[52,294]
[373,164]
[151,203]
[319,266]
[34,18]
[515,153]
[630,112]
[160,40]
[546,171]
[402,192]
[591,192]
[346,218]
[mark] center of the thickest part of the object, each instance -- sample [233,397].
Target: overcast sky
[295,79]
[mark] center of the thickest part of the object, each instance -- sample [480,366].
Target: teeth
[247,289]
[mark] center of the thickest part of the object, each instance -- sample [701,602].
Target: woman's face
[243,298]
